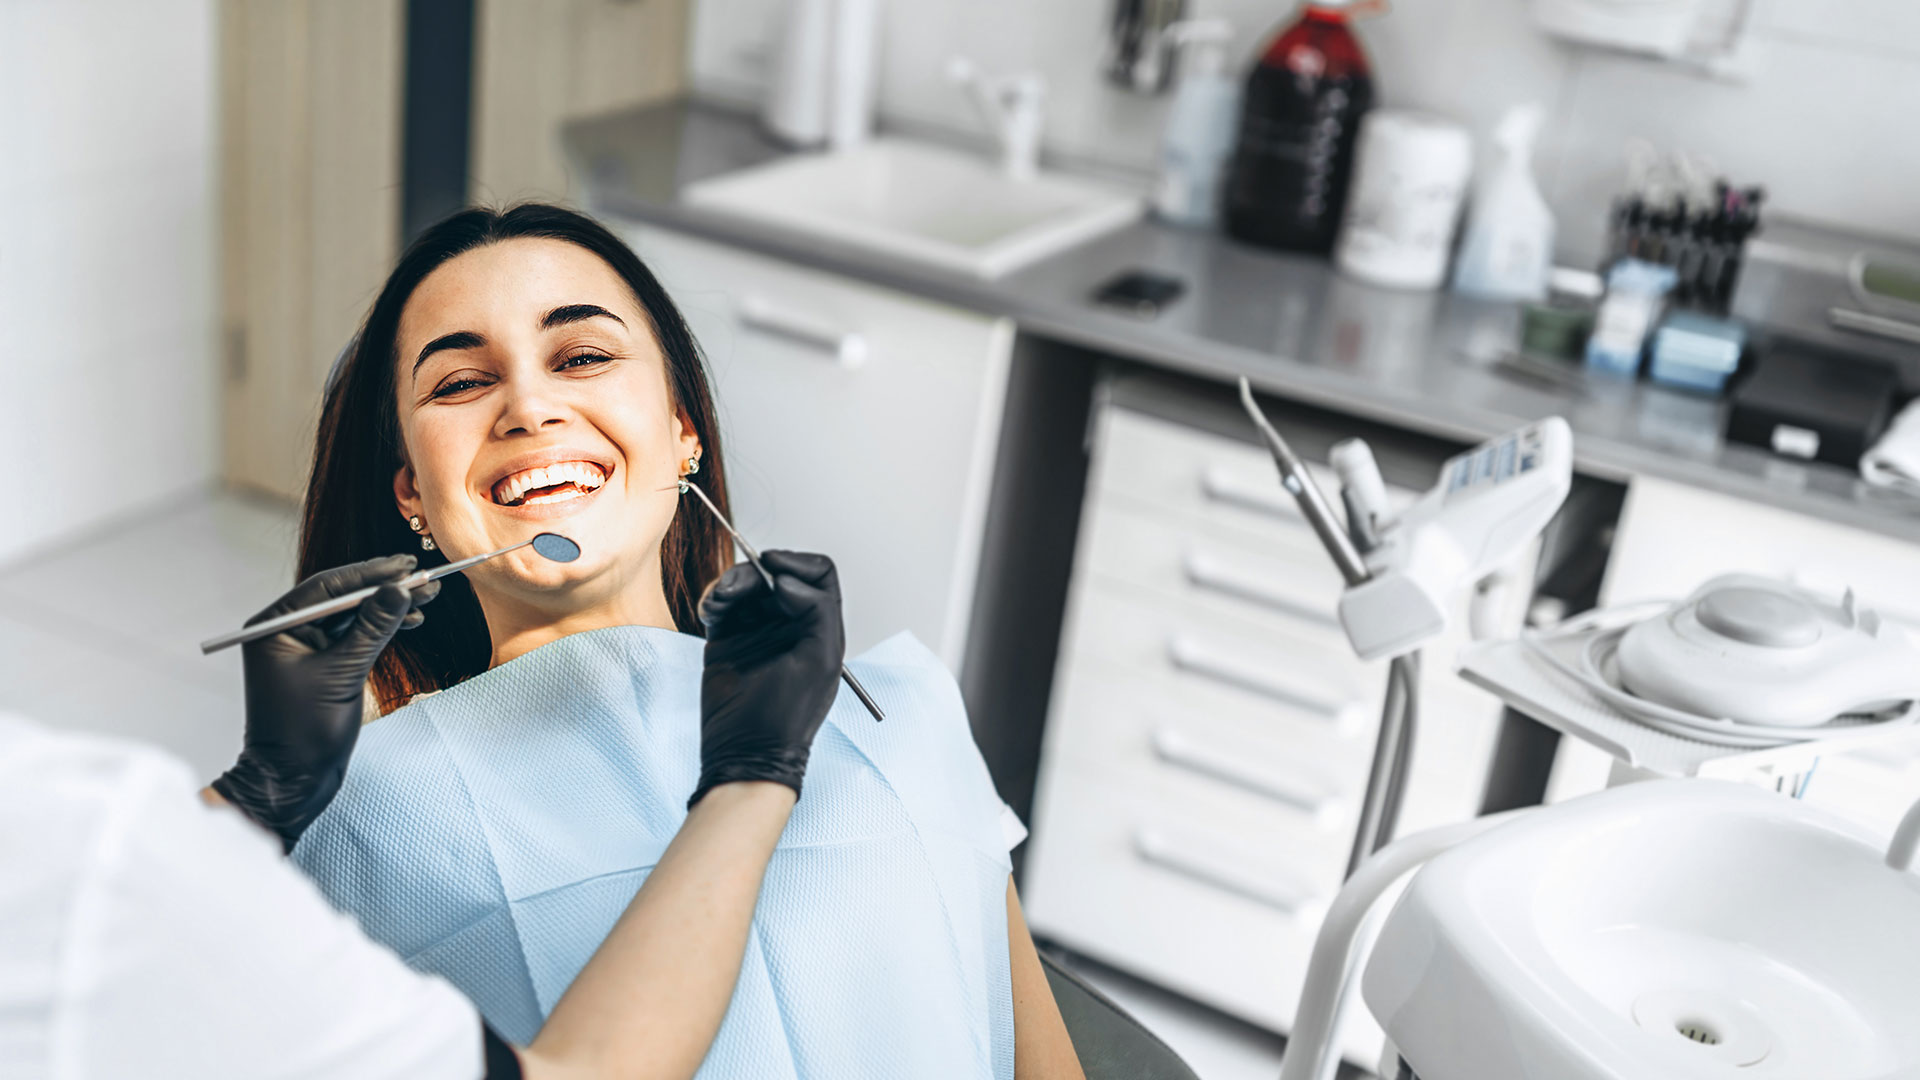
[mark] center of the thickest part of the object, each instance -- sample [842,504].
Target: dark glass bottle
[1287,184]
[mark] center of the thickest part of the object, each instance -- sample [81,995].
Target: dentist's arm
[650,1002]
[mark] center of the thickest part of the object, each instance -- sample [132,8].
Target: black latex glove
[305,689]
[772,669]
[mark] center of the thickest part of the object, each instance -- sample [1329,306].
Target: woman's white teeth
[553,483]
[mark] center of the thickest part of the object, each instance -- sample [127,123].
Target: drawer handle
[1224,485]
[1861,322]
[1157,849]
[1179,749]
[1207,572]
[1204,660]
[847,347]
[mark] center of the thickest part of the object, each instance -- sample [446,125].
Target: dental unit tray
[1518,675]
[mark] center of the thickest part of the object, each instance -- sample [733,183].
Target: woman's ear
[406,495]
[686,438]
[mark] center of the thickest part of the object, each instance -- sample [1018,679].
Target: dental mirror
[550,546]
[555,548]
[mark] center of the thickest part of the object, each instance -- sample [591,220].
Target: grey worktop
[1427,362]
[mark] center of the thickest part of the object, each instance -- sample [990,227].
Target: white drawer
[1273,584]
[1204,478]
[1228,920]
[1268,779]
[1259,672]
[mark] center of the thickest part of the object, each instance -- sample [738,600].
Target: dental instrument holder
[753,557]
[551,546]
[1490,503]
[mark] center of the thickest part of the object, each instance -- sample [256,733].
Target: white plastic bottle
[1200,125]
[1508,253]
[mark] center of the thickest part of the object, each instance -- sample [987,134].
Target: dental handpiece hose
[1386,782]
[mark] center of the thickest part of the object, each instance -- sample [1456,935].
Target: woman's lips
[549,482]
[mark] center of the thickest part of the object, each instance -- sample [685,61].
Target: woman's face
[533,398]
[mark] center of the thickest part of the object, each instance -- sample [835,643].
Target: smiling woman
[546,310]
[523,372]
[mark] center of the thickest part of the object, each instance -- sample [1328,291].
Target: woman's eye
[578,360]
[453,387]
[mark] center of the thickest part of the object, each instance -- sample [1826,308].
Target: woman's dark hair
[350,514]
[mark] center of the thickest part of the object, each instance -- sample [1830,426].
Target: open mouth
[554,483]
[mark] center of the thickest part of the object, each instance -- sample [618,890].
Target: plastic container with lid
[1287,185]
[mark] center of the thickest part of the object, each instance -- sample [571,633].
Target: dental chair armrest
[1111,1044]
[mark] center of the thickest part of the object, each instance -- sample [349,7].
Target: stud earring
[426,538]
[693,465]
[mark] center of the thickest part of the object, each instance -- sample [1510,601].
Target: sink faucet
[1013,108]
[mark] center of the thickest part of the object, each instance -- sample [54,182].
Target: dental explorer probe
[551,546]
[753,557]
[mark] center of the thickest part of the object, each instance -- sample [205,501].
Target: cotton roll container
[1409,183]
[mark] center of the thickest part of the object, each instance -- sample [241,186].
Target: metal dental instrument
[1313,505]
[753,557]
[551,546]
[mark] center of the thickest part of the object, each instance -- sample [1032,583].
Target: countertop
[1426,362]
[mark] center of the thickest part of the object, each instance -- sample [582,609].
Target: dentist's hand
[772,669]
[304,693]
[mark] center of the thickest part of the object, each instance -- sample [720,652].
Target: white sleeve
[198,951]
[1011,827]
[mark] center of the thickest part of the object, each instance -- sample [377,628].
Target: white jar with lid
[1410,179]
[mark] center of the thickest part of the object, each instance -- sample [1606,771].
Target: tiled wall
[1826,114]
[107,234]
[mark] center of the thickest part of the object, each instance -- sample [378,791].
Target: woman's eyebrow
[459,339]
[573,313]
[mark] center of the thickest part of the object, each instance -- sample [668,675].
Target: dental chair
[1111,1044]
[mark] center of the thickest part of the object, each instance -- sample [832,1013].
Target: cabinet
[1673,537]
[1210,731]
[855,421]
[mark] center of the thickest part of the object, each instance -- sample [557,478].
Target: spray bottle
[1200,125]
[1508,253]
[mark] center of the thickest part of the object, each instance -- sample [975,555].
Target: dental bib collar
[1745,661]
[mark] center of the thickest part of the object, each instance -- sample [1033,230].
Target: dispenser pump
[1202,45]
[1200,124]
[1508,251]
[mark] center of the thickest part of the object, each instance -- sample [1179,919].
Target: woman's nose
[528,411]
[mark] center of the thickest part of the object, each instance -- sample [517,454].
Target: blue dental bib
[493,833]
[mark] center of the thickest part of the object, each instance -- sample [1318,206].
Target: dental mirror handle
[1313,505]
[343,603]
